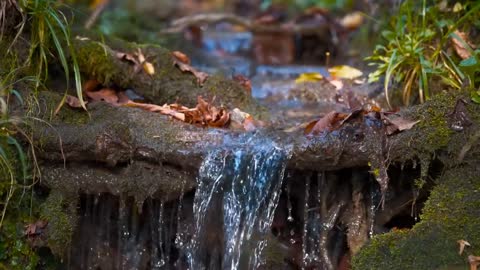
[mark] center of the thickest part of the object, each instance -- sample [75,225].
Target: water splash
[238,190]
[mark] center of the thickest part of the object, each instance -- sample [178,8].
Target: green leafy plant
[49,29]
[415,52]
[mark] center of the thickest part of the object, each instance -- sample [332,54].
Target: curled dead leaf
[201,76]
[181,57]
[397,123]
[127,57]
[326,123]
[462,44]
[462,244]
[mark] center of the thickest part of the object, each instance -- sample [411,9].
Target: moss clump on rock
[167,85]
[60,212]
[450,214]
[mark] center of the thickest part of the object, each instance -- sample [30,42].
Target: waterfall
[238,190]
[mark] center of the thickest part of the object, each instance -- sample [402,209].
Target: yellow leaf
[148,67]
[345,72]
[309,77]
[457,7]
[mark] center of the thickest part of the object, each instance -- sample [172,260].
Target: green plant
[415,52]
[48,25]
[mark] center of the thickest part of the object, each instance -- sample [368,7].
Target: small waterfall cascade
[238,190]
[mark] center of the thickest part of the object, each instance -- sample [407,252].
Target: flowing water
[238,190]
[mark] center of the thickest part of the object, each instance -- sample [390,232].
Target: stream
[248,210]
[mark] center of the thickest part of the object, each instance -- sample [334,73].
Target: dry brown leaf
[91,85]
[36,228]
[127,57]
[474,261]
[73,102]
[244,82]
[395,124]
[201,76]
[459,46]
[462,243]
[165,109]
[181,57]
[326,123]
[105,94]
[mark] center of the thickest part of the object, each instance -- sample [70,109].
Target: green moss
[433,125]
[60,212]
[450,214]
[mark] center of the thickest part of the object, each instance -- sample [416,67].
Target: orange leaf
[181,57]
[106,94]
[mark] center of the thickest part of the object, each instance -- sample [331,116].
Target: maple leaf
[179,62]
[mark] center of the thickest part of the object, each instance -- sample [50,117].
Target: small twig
[96,13]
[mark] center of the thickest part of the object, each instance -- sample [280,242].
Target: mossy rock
[451,213]
[60,212]
[167,85]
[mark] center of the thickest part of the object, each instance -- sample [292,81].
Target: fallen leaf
[91,85]
[394,124]
[148,67]
[127,57]
[462,244]
[326,123]
[181,57]
[105,94]
[165,109]
[345,72]
[244,82]
[461,47]
[36,228]
[309,77]
[457,7]
[201,76]
[352,21]
[474,261]
[73,102]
